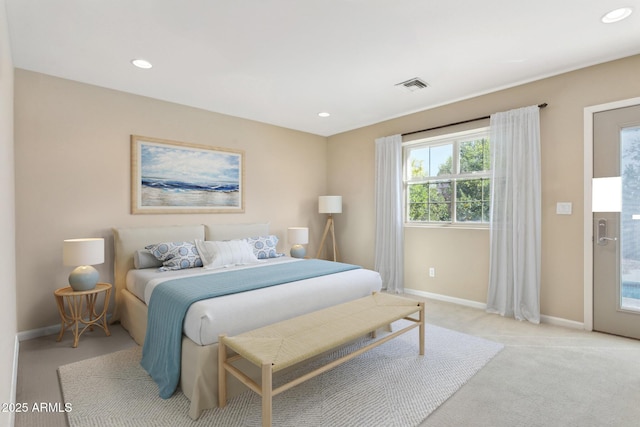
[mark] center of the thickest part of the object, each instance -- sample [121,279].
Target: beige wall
[7,225]
[73,168]
[461,256]
[60,194]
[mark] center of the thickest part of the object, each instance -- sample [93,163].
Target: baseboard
[14,379]
[37,333]
[446,298]
[550,320]
[43,332]
[559,321]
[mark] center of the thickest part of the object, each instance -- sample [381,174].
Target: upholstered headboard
[235,231]
[128,240]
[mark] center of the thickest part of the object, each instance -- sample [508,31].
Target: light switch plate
[564,208]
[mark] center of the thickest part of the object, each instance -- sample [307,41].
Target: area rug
[390,385]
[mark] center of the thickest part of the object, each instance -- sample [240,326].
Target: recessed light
[141,63]
[617,15]
[324,114]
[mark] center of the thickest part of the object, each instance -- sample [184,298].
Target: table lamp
[298,236]
[83,253]
[330,205]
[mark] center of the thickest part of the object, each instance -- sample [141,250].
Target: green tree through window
[448,179]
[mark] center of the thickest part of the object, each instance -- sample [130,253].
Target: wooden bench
[280,345]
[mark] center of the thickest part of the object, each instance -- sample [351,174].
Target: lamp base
[83,278]
[297,251]
[329,228]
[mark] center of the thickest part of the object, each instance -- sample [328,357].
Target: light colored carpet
[388,386]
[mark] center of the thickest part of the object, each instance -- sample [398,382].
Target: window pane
[469,189]
[430,202]
[472,200]
[474,156]
[440,192]
[418,162]
[418,212]
[486,189]
[440,201]
[486,211]
[486,200]
[486,155]
[469,212]
[630,227]
[441,157]
[440,212]
[418,202]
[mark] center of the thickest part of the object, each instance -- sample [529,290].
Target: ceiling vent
[413,84]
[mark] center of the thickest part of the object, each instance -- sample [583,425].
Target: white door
[616,246]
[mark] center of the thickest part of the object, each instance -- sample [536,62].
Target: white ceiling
[283,61]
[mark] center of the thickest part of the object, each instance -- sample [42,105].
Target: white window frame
[450,138]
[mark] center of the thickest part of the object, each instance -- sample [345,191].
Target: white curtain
[389,244]
[514,274]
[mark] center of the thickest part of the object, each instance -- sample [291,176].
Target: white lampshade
[606,194]
[83,253]
[298,235]
[330,204]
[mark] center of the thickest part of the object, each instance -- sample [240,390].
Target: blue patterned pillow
[264,246]
[176,255]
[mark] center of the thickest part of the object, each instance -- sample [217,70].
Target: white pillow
[215,254]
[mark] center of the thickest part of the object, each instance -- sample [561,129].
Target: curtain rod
[544,104]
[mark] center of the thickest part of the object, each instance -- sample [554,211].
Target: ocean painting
[173,177]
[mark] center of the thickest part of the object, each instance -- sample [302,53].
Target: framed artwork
[177,177]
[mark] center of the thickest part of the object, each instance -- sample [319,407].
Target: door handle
[602,233]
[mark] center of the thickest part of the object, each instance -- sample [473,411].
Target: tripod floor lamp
[330,205]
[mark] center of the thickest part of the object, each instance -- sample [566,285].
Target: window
[447,179]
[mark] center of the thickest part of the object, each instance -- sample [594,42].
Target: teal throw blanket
[170,301]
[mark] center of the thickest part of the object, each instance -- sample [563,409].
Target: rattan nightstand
[80,309]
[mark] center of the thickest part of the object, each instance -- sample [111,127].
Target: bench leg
[222,372]
[267,394]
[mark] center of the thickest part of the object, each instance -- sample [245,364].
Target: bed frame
[199,365]
[199,371]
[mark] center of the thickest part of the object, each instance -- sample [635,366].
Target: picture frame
[170,177]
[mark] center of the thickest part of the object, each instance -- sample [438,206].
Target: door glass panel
[630,219]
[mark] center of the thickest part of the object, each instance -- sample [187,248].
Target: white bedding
[233,314]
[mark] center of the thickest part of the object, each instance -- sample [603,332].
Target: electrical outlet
[432,272]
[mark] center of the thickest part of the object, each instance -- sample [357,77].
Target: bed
[230,314]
